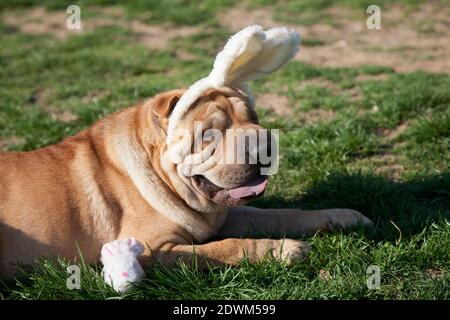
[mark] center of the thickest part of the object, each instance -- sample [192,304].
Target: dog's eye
[208,134]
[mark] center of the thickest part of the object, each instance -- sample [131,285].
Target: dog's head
[213,146]
[221,141]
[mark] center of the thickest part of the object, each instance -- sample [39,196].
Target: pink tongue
[253,188]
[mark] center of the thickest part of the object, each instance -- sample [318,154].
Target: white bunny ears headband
[248,55]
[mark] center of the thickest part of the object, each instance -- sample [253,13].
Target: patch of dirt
[238,18]
[318,82]
[434,273]
[158,37]
[273,102]
[317,115]
[64,115]
[94,96]
[5,142]
[391,134]
[324,274]
[41,21]
[388,165]
[281,106]
[185,55]
[39,96]
[372,77]
[109,11]
[353,93]
[399,44]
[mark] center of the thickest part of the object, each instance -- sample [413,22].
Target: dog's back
[40,204]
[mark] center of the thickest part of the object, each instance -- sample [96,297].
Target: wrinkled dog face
[221,171]
[221,142]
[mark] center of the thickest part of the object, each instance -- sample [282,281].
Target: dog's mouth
[233,196]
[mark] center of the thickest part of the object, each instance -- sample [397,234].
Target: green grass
[330,163]
[345,257]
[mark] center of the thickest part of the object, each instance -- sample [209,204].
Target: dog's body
[112,181]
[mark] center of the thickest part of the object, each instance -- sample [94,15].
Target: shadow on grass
[404,208]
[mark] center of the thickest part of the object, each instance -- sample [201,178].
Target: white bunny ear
[251,53]
[248,55]
[241,50]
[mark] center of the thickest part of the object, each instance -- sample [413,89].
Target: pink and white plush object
[120,265]
[248,55]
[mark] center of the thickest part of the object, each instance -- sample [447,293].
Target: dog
[120,179]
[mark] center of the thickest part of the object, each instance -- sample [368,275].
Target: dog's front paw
[120,265]
[289,250]
[345,218]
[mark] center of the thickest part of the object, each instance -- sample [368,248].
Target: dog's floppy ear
[164,103]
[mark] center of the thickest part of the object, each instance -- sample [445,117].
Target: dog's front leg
[231,251]
[251,222]
[122,259]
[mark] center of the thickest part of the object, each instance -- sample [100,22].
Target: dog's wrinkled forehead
[230,100]
[217,109]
